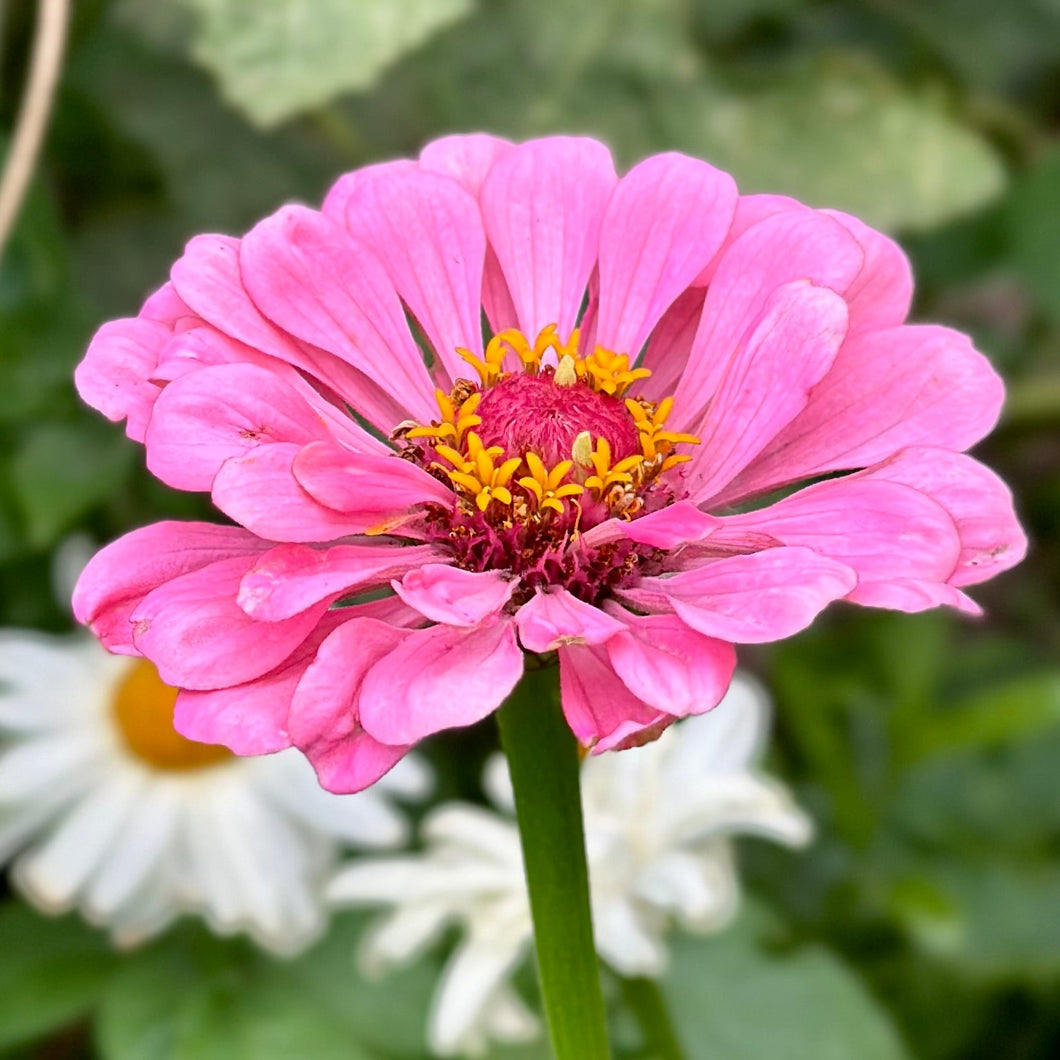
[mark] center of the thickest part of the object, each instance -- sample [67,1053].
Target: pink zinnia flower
[662,354]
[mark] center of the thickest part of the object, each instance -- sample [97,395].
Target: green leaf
[999,714]
[277,59]
[197,998]
[61,471]
[843,135]
[731,998]
[51,972]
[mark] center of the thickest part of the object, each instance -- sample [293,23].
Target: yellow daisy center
[143,708]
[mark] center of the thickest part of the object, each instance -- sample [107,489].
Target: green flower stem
[645,1000]
[543,761]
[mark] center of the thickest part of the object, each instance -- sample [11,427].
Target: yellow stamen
[545,486]
[455,422]
[582,449]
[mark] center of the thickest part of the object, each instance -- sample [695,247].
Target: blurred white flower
[105,808]
[658,820]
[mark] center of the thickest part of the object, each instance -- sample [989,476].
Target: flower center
[544,445]
[534,414]
[143,709]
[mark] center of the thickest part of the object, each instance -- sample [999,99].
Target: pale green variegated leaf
[849,137]
[730,996]
[279,57]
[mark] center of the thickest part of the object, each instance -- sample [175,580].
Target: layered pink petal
[790,246]
[665,221]
[376,490]
[250,718]
[439,678]
[554,618]
[467,158]
[115,376]
[542,204]
[168,307]
[669,666]
[120,575]
[601,711]
[767,382]
[885,531]
[207,416]
[748,599]
[198,637]
[311,278]
[427,231]
[916,385]
[882,292]
[204,346]
[677,524]
[259,490]
[290,578]
[980,504]
[444,593]
[671,343]
[324,720]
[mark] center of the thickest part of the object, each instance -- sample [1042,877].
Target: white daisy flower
[105,808]
[658,822]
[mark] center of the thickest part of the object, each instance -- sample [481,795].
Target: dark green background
[925,920]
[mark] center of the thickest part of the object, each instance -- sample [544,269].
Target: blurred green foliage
[924,921]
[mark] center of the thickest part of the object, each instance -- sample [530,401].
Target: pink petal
[215,413]
[444,593]
[554,618]
[979,503]
[205,346]
[166,306]
[340,193]
[119,576]
[882,292]
[208,278]
[748,599]
[674,525]
[372,488]
[665,221]
[671,343]
[884,531]
[323,718]
[251,718]
[440,678]
[290,578]
[307,275]
[669,666]
[791,246]
[914,594]
[542,204]
[427,231]
[115,375]
[193,630]
[599,708]
[919,385]
[259,491]
[766,382]
[466,158]
[750,210]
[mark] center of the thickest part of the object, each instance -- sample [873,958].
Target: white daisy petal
[461,1008]
[54,873]
[136,827]
[658,820]
[136,852]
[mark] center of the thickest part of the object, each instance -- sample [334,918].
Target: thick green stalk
[644,998]
[543,761]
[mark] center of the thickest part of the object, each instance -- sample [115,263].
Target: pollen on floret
[542,445]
